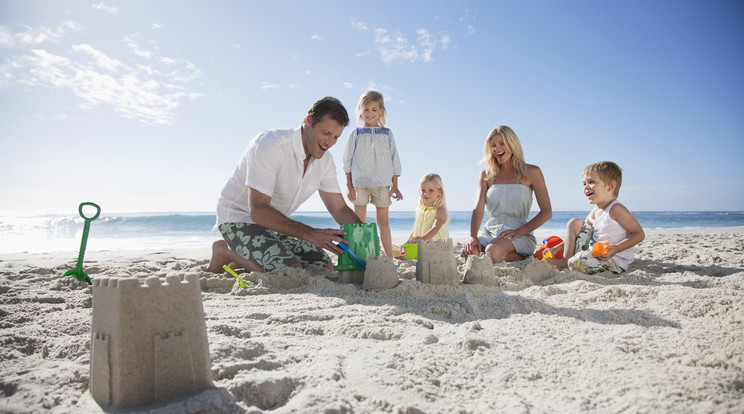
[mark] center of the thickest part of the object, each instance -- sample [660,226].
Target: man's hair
[608,172]
[329,106]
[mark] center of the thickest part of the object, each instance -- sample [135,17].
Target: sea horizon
[39,233]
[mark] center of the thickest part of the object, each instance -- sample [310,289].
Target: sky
[147,106]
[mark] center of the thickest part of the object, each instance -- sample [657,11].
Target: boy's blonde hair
[608,172]
[368,98]
[437,181]
[517,159]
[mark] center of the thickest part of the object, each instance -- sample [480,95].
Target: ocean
[149,231]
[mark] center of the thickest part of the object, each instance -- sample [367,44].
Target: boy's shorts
[379,196]
[271,250]
[584,260]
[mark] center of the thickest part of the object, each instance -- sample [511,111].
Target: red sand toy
[550,242]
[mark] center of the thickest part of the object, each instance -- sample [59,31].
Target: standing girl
[432,220]
[372,165]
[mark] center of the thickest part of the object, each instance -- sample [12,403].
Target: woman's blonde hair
[437,181]
[512,142]
[368,98]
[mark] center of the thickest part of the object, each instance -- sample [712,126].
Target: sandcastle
[380,273]
[479,270]
[436,264]
[148,342]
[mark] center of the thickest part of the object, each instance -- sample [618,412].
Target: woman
[505,188]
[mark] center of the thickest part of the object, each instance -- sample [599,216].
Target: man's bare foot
[559,263]
[220,257]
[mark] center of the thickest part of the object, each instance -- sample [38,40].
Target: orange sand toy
[599,249]
[550,242]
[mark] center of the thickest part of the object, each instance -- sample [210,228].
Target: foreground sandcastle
[148,342]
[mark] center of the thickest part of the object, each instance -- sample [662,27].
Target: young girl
[432,220]
[372,165]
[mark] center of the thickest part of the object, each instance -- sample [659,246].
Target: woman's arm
[474,246]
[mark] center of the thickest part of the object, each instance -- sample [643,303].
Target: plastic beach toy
[363,241]
[353,256]
[78,270]
[599,249]
[410,251]
[549,242]
[241,282]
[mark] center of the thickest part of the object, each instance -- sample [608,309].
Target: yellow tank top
[425,217]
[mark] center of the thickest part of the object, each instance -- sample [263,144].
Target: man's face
[320,137]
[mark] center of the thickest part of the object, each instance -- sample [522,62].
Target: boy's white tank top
[606,229]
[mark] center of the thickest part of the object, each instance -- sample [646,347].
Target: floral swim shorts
[271,250]
[584,259]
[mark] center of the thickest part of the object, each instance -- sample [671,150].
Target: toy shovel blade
[353,256]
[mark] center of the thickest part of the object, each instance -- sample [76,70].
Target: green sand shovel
[241,282]
[78,270]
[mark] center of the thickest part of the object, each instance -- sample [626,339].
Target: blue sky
[146,106]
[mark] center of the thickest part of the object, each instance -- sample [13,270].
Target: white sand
[667,336]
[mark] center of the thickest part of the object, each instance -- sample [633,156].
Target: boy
[609,222]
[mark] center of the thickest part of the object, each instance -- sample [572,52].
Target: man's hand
[327,239]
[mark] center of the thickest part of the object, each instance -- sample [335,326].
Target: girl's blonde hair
[437,181]
[512,142]
[368,98]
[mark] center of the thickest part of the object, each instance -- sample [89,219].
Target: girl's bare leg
[383,223]
[361,212]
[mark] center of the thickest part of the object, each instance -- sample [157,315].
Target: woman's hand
[509,234]
[472,247]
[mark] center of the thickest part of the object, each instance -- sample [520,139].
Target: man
[279,170]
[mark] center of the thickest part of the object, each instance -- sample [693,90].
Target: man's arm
[336,205]
[264,215]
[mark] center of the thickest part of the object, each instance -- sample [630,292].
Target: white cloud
[101,60]
[148,92]
[395,48]
[129,41]
[105,8]
[157,26]
[427,42]
[266,86]
[359,25]
[471,29]
[348,85]
[30,36]
[316,37]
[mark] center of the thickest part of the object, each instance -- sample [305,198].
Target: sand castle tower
[436,263]
[148,342]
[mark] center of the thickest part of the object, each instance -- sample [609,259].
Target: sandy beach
[666,336]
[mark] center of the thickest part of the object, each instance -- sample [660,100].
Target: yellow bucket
[410,251]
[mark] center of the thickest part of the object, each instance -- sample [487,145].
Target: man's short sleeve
[263,161]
